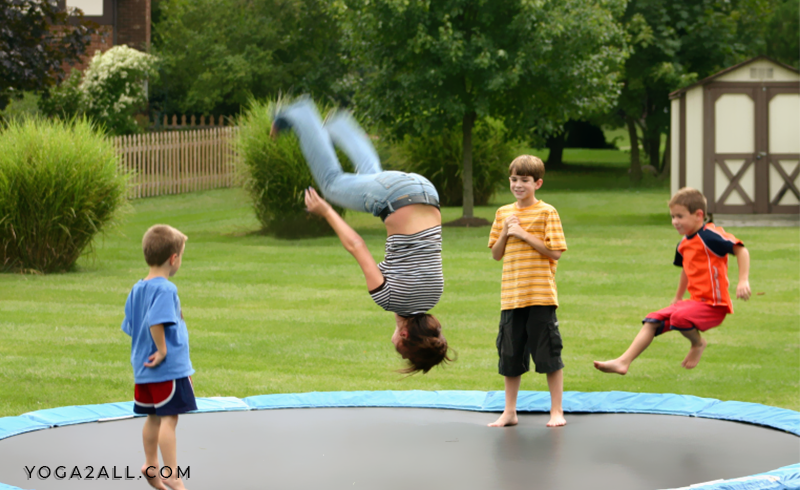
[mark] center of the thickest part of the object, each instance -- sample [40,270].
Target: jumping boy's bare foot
[174,483]
[693,357]
[505,420]
[153,481]
[615,366]
[557,419]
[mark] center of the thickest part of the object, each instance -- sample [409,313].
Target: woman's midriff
[412,219]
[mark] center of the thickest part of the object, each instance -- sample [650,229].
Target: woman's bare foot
[693,357]
[153,479]
[615,366]
[505,420]
[557,419]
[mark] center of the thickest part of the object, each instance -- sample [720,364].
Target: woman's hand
[315,204]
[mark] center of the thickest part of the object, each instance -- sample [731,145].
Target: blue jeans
[371,189]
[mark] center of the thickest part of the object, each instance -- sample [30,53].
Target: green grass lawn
[275,316]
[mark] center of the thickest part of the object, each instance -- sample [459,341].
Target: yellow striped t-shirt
[529,278]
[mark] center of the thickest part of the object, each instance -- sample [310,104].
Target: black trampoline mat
[406,448]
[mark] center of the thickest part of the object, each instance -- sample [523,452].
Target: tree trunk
[636,164]
[466,174]
[665,163]
[556,145]
[654,150]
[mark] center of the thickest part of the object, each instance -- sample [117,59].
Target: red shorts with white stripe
[686,315]
[165,398]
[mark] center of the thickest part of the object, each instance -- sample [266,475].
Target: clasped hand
[513,228]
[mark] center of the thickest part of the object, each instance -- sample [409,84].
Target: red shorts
[686,315]
[165,398]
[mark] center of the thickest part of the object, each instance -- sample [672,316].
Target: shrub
[59,187]
[110,92]
[276,176]
[113,88]
[64,101]
[439,157]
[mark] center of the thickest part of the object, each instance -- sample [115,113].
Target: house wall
[133,24]
[103,41]
[694,138]
[675,145]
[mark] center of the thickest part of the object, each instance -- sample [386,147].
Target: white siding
[675,144]
[694,138]
[760,71]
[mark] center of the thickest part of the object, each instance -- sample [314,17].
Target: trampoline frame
[787,477]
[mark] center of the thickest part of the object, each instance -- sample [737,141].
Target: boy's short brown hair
[527,165]
[691,199]
[160,242]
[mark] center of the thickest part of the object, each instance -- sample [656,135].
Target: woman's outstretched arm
[351,240]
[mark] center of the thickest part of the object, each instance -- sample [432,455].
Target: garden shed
[736,137]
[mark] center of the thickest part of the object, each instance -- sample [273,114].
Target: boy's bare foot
[693,357]
[505,420]
[153,481]
[615,366]
[557,419]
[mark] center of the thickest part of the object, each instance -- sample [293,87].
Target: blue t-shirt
[150,303]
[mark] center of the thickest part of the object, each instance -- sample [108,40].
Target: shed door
[752,148]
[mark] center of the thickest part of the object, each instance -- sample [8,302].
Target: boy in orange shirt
[703,256]
[528,237]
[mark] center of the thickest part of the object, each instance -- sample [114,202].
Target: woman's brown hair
[425,346]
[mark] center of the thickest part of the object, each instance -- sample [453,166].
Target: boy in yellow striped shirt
[528,237]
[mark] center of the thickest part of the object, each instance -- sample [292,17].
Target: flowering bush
[114,87]
[110,92]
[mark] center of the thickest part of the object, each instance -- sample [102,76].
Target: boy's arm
[683,283]
[351,240]
[516,230]
[743,260]
[157,332]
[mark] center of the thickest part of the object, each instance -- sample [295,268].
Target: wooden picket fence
[176,162]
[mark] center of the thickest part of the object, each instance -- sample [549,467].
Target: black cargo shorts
[529,332]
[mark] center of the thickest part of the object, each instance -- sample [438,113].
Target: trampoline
[417,440]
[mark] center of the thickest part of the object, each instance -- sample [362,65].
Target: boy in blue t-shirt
[160,354]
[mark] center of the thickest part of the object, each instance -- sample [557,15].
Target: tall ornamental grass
[276,176]
[439,157]
[59,187]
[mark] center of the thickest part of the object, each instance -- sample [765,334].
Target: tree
[216,54]
[37,40]
[782,36]
[428,65]
[675,42]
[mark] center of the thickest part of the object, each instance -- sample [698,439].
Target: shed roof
[711,78]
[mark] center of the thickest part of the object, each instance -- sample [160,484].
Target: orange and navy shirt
[704,258]
[529,278]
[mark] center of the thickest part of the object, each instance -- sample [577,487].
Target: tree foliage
[37,39]
[216,54]
[429,65]
[675,42]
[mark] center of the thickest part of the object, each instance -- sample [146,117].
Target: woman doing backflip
[409,281]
